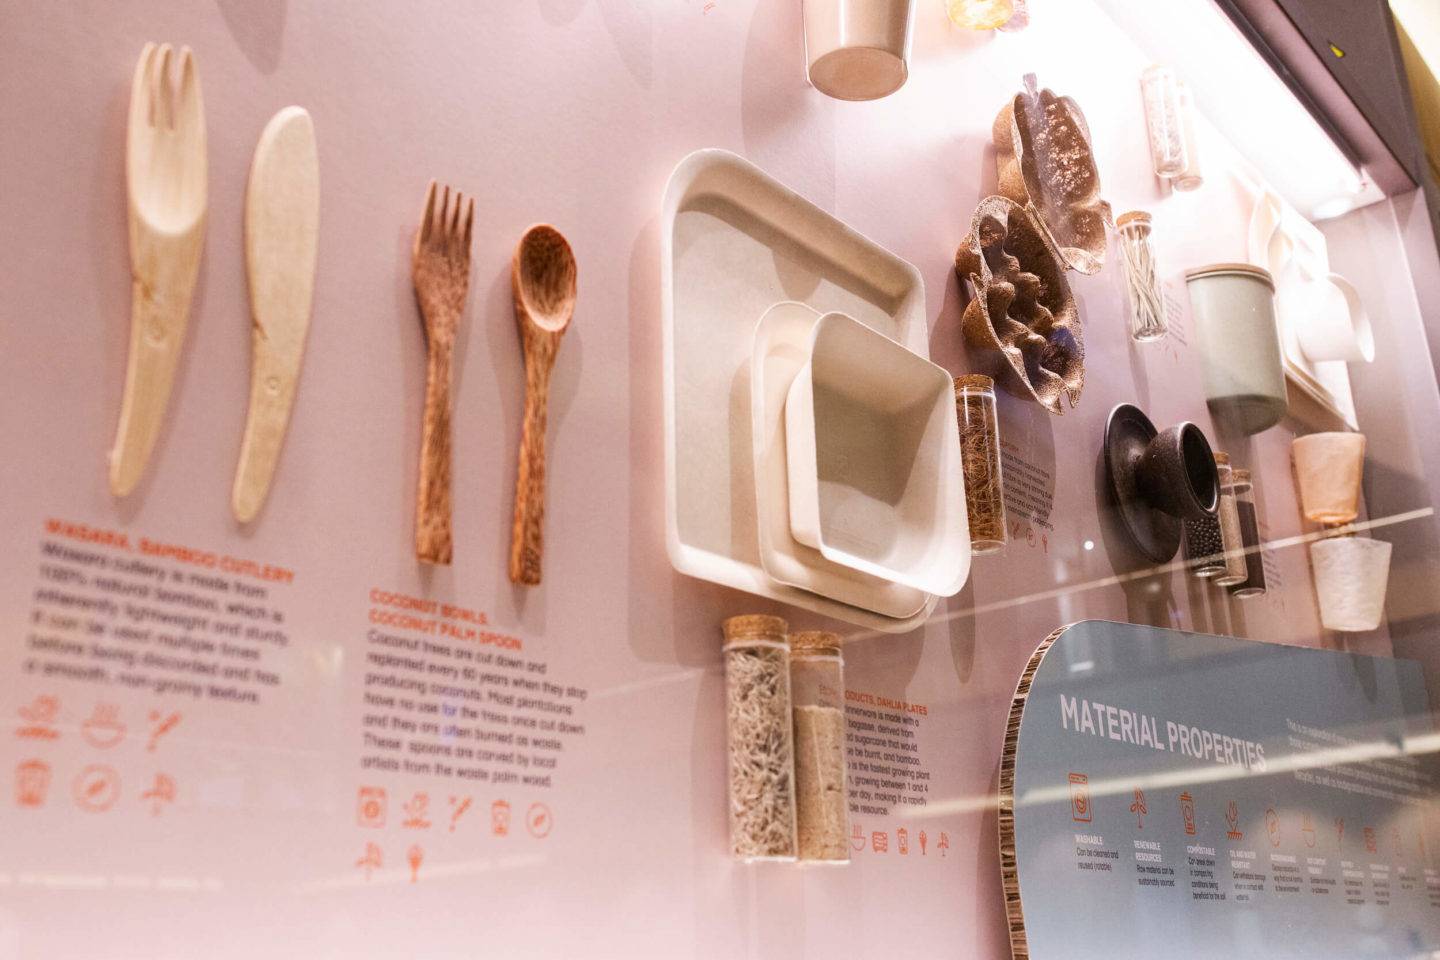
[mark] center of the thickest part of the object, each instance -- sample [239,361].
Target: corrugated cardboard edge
[1009,869]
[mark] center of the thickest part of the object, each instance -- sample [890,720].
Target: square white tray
[735,242]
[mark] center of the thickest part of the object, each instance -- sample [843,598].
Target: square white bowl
[873,458]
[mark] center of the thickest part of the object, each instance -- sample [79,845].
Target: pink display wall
[571,112]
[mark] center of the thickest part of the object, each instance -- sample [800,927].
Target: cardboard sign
[1202,796]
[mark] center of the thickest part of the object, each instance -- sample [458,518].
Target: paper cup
[1330,321]
[1328,467]
[1351,574]
[858,49]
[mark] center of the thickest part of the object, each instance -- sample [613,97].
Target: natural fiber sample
[821,814]
[761,756]
[1045,163]
[1022,306]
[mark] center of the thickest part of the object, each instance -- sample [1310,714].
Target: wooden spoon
[542,275]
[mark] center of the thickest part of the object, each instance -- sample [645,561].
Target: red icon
[857,838]
[1370,842]
[1137,807]
[415,856]
[1232,817]
[103,729]
[458,806]
[372,859]
[417,812]
[1339,831]
[1307,830]
[880,841]
[944,843]
[1187,813]
[32,782]
[370,807]
[1080,810]
[37,719]
[902,838]
[1272,826]
[538,821]
[500,818]
[923,840]
[97,788]
[161,793]
[162,725]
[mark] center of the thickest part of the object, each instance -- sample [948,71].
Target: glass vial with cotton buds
[817,690]
[1160,89]
[1142,284]
[979,420]
[759,738]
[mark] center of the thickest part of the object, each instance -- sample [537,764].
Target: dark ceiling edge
[1271,31]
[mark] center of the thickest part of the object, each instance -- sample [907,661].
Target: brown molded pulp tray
[734,243]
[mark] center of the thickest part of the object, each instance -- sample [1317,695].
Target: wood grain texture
[165,173]
[282,227]
[542,278]
[440,267]
[1009,867]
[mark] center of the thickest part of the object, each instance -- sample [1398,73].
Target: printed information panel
[1220,797]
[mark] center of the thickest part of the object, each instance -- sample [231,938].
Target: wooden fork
[441,270]
[166,182]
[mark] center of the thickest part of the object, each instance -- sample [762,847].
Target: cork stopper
[973,381]
[1221,459]
[814,641]
[755,626]
[1132,216]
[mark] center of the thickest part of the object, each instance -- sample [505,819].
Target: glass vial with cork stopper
[1254,583]
[817,689]
[1232,540]
[1192,177]
[979,419]
[1142,286]
[1204,541]
[759,738]
[1160,88]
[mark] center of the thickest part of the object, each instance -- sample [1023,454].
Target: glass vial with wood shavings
[1254,583]
[1191,177]
[1231,538]
[1160,89]
[1204,544]
[817,688]
[759,737]
[980,460]
[979,14]
[1142,285]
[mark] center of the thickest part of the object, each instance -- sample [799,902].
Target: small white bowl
[873,457]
